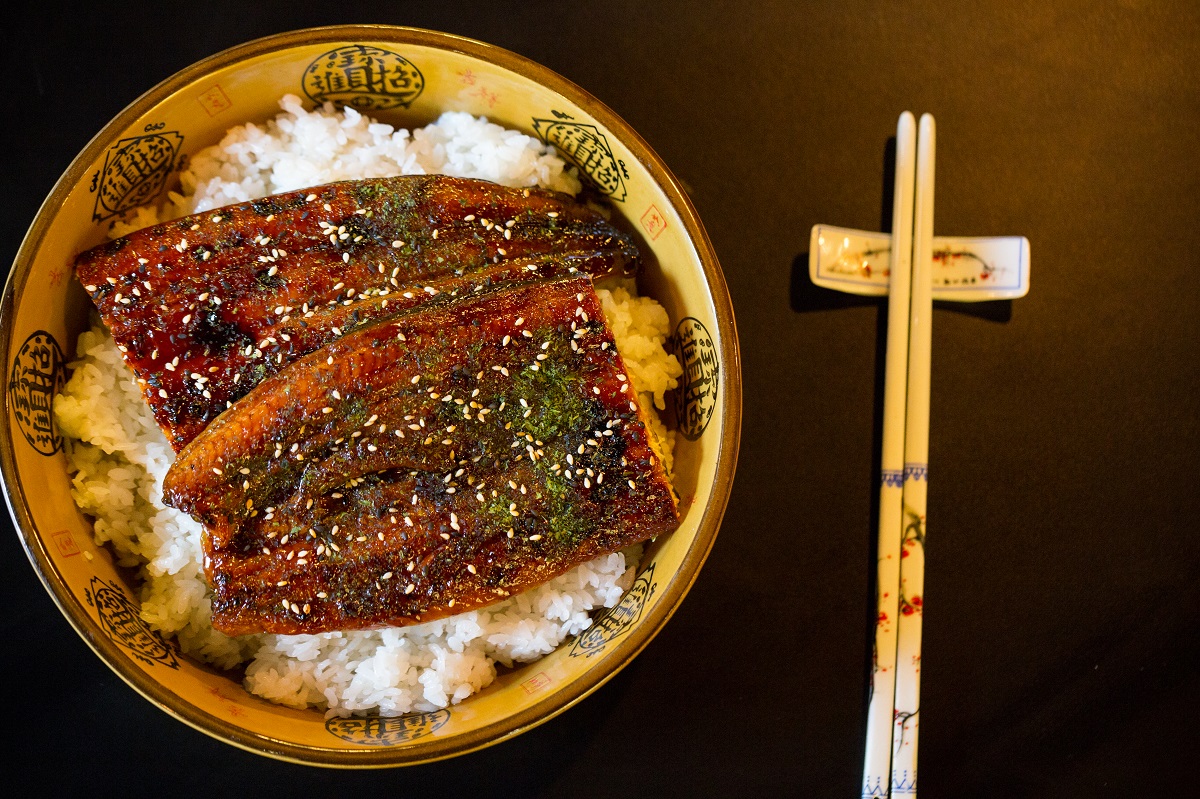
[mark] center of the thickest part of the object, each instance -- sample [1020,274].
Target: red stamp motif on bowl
[654,222]
[65,543]
[215,101]
[536,683]
[487,96]
[230,705]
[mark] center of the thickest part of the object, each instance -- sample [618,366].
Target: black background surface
[1062,604]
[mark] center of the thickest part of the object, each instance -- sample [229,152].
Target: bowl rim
[570,693]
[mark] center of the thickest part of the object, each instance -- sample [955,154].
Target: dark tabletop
[1062,612]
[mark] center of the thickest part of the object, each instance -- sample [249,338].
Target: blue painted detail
[619,619]
[871,791]
[387,730]
[904,783]
[120,617]
[367,78]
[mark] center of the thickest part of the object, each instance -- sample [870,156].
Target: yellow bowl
[135,159]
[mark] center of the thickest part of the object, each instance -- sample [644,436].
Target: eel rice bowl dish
[120,456]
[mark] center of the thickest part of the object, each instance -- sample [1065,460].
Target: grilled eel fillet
[205,307]
[424,465]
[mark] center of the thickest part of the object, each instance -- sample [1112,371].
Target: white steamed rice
[119,456]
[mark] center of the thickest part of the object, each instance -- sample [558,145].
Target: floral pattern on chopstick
[913,536]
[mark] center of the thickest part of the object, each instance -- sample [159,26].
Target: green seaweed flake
[559,406]
[566,526]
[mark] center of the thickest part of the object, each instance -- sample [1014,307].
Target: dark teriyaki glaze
[205,307]
[424,465]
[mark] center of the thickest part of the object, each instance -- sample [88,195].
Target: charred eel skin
[425,465]
[205,307]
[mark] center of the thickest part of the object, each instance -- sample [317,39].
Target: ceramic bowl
[406,77]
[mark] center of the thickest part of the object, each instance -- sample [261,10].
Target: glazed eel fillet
[205,307]
[424,465]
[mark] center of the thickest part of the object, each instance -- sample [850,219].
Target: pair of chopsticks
[890,763]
